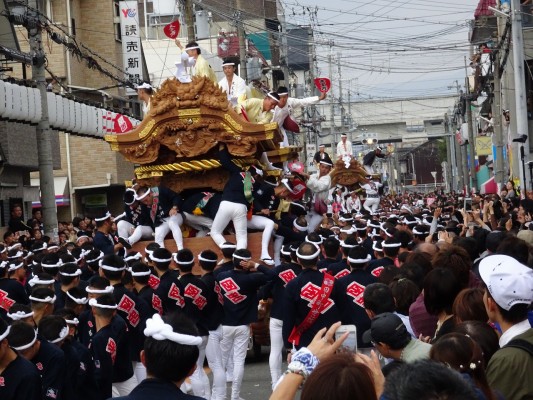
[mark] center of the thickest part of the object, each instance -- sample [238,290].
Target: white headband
[285,253]
[17,316]
[47,299]
[19,254]
[417,232]
[390,244]
[36,281]
[139,273]
[62,335]
[3,250]
[27,346]
[81,237]
[225,64]
[74,321]
[108,289]
[359,260]
[241,257]
[13,267]
[16,245]
[83,300]
[100,256]
[374,246]
[77,273]
[106,216]
[347,246]
[53,247]
[300,228]
[192,48]
[160,260]
[94,303]
[136,256]
[315,243]
[273,98]
[179,262]
[6,333]
[309,257]
[286,184]
[200,258]
[110,268]
[271,183]
[228,246]
[57,265]
[120,216]
[157,329]
[142,196]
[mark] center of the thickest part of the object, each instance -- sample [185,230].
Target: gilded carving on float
[179,137]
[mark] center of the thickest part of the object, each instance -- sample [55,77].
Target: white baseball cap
[508,281]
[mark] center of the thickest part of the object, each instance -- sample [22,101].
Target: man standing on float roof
[232,84]
[144,93]
[286,105]
[201,66]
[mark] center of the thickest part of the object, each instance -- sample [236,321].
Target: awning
[60,191]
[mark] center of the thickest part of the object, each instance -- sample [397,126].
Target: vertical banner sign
[310,151]
[131,42]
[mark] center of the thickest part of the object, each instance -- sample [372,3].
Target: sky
[389,49]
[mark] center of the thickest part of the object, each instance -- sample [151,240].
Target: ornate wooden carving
[178,139]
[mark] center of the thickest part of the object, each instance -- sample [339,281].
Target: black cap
[387,328]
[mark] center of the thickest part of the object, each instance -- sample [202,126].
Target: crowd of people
[441,293]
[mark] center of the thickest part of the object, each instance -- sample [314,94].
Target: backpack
[521,344]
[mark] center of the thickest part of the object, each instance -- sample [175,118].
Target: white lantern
[71,123]
[66,113]
[2,99]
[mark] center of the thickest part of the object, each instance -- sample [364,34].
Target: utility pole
[519,85]
[44,140]
[471,137]
[311,110]
[189,21]
[339,69]
[332,106]
[449,140]
[242,40]
[499,173]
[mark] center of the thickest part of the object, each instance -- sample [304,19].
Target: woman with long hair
[462,354]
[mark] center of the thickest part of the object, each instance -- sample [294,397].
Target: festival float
[176,144]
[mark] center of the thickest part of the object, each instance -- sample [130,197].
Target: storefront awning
[60,191]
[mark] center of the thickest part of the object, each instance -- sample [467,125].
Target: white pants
[278,244]
[214,359]
[170,224]
[199,222]
[139,371]
[235,341]
[267,226]
[369,169]
[371,204]
[229,211]
[276,349]
[313,220]
[199,379]
[134,234]
[123,388]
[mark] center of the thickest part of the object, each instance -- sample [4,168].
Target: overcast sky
[400,48]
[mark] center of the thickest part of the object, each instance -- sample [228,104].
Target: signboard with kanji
[131,42]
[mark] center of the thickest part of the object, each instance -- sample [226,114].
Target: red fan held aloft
[172,30]
[323,84]
[122,124]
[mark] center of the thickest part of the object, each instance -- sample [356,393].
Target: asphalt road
[256,384]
